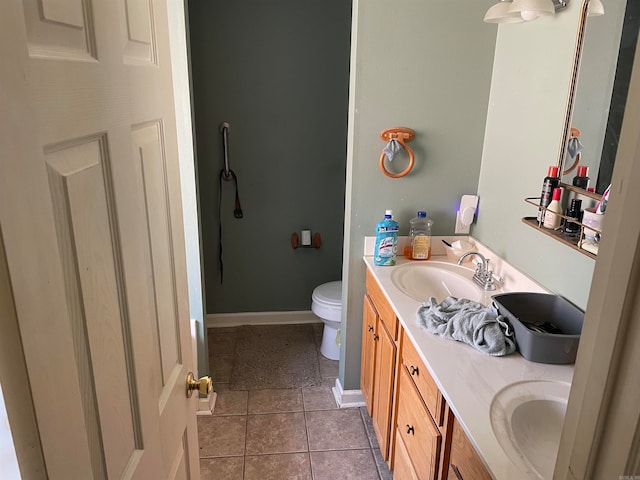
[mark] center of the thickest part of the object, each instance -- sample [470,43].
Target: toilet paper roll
[306,237]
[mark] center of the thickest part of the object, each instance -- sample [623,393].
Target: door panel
[91,217]
[80,192]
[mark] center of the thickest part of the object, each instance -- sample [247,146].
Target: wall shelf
[570,241]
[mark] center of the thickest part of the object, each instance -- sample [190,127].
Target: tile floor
[284,433]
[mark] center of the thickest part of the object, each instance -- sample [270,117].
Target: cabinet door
[402,467]
[367,365]
[385,363]
[464,460]
[415,427]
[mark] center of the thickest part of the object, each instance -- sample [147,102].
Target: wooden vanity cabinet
[430,444]
[367,363]
[418,434]
[464,462]
[379,351]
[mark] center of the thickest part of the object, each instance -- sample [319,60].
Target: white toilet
[327,304]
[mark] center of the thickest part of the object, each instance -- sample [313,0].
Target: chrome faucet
[483,275]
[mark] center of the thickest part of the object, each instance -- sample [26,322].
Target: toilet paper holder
[304,240]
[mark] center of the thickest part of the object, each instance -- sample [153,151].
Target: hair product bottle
[581,180]
[552,216]
[550,182]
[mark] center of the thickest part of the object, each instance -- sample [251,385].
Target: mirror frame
[573,84]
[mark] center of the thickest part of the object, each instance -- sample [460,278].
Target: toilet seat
[327,301]
[328,293]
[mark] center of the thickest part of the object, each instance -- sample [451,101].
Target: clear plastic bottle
[386,248]
[419,247]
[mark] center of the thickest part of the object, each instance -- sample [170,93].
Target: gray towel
[469,322]
[392,148]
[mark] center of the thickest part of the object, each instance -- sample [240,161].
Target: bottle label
[421,244]
[387,248]
[390,228]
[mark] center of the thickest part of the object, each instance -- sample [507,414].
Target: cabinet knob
[414,370]
[376,337]
[370,328]
[410,430]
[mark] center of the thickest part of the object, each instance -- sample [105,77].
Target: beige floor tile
[220,368]
[329,382]
[276,433]
[344,465]
[221,436]
[275,401]
[288,466]
[231,402]
[328,368]
[336,430]
[224,468]
[222,341]
[318,398]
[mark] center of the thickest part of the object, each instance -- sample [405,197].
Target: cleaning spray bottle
[386,247]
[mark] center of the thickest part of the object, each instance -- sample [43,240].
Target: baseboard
[207,404]
[347,398]
[218,320]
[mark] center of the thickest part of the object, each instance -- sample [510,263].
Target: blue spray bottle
[386,240]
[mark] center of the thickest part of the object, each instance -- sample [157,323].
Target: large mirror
[601,92]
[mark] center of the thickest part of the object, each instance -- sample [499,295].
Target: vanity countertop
[467,378]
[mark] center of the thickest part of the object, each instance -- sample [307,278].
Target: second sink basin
[423,280]
[527,419]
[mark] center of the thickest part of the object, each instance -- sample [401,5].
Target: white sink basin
[527,419]
[423,280]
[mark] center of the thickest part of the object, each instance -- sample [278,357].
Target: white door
[91,220]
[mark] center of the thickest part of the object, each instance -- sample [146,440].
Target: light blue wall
[426,66]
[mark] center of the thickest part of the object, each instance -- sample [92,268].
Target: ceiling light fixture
[532,9]
[514,11]
[499,13]
[595,8]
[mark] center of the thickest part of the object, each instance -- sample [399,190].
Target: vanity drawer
[402,466]
[420,437]
[386,313]
[424,382]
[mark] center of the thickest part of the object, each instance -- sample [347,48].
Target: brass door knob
[204,385]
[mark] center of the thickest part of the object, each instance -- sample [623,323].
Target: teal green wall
[425,65]
[278,72]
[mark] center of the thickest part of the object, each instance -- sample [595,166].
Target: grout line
[306,428]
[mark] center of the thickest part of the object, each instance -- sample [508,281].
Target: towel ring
[401,135]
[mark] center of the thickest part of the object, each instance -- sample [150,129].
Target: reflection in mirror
[605,70]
